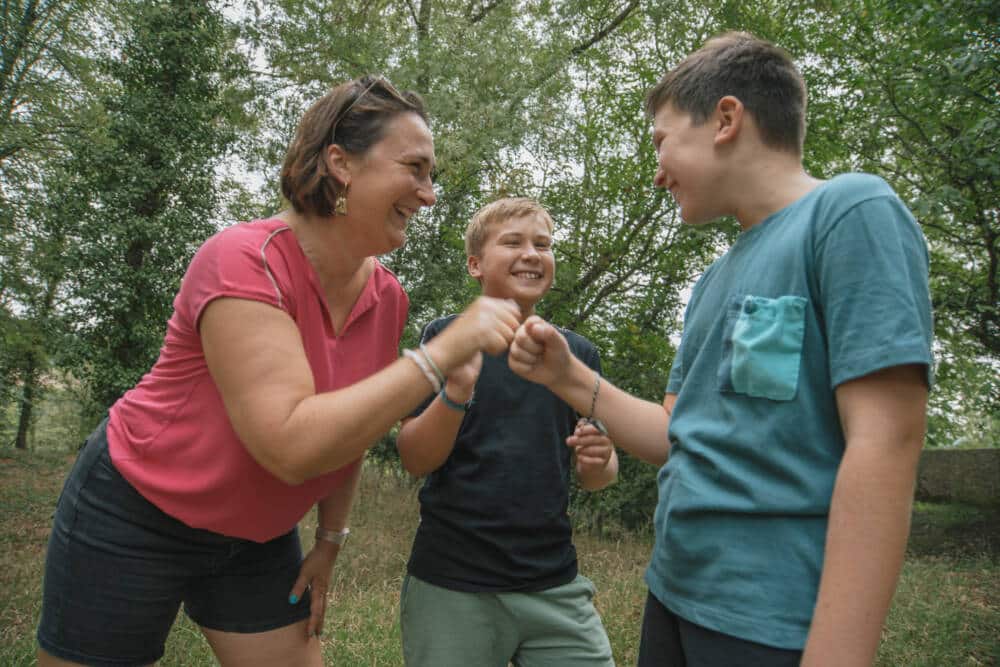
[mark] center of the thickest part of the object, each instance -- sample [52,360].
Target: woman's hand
[315,575]
[487,325]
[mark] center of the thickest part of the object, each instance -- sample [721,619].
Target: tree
[172,107]
[910,93]
[42,66]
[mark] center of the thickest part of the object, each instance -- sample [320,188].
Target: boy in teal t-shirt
[796,405]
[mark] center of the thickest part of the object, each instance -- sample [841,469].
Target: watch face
[333,536]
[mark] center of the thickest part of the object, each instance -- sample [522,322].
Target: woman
[278,370]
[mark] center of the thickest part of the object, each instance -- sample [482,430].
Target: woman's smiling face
[391,182]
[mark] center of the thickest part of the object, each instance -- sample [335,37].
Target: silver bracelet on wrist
[598,424]
[337,537]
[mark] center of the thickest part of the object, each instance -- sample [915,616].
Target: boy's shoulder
[571,335]
[853,197]
[435,326]
[578,345]
[857,184]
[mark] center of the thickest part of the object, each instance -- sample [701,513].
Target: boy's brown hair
[761,75]
[499,211]
[353,115]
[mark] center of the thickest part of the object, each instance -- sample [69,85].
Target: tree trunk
[27,402]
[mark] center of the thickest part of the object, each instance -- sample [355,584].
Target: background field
[946,611]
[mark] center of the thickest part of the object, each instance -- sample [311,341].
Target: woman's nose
[427,195]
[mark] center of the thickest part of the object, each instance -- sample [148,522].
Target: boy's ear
[729,119]
[472,264]
[338,163]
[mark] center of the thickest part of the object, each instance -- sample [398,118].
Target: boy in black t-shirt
[492,576]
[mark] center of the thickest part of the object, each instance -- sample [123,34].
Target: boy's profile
[492,576]
[795,409]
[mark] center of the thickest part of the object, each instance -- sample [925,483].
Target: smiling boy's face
[686,164]
[516,261]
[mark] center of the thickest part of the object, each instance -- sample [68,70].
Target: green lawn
[946,611]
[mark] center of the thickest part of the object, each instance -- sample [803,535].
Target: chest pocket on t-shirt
[762,346]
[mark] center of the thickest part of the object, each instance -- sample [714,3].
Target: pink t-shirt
[170,435]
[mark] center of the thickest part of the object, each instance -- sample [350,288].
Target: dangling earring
[340,203]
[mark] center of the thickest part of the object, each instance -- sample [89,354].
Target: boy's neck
[770,181]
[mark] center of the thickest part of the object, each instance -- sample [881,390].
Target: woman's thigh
[287,646]
[118,569]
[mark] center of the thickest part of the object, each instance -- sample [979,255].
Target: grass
[946,610]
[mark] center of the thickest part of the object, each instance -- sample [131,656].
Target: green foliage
[119,124]
[171,105]
[41,67]
[924,114]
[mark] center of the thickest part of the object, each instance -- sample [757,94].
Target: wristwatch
[337,537]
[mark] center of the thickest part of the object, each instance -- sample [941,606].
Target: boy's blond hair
[498,211]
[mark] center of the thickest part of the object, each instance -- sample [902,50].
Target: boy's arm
[540,353]
[883,418]
[425,441]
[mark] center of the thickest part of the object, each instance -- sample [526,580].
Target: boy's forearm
[636,425]
[426,441]
[866,542]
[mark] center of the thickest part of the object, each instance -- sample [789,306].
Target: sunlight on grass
[946,611]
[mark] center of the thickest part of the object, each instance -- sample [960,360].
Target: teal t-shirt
[831,288]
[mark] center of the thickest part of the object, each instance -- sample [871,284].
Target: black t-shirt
[493,516]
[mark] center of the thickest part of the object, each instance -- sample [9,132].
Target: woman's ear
[338,164]
[729,119]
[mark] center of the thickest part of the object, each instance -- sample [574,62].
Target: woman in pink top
[278,370]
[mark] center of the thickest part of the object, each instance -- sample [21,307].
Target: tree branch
[476,17]
[607,30]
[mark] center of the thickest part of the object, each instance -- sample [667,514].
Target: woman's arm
[255,356]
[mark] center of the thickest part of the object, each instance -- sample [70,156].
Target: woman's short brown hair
[354,116]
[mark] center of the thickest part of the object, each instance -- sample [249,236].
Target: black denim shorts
[118,569]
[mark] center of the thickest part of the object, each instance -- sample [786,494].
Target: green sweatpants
[558,627]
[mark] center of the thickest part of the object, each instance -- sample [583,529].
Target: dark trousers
[670,641]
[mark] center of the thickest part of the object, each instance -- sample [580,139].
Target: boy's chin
[526,304]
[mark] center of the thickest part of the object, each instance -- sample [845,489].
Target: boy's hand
[462,381]
[593,449]
[539,352]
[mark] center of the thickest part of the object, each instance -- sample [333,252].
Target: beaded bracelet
[421,361]
[430,361]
